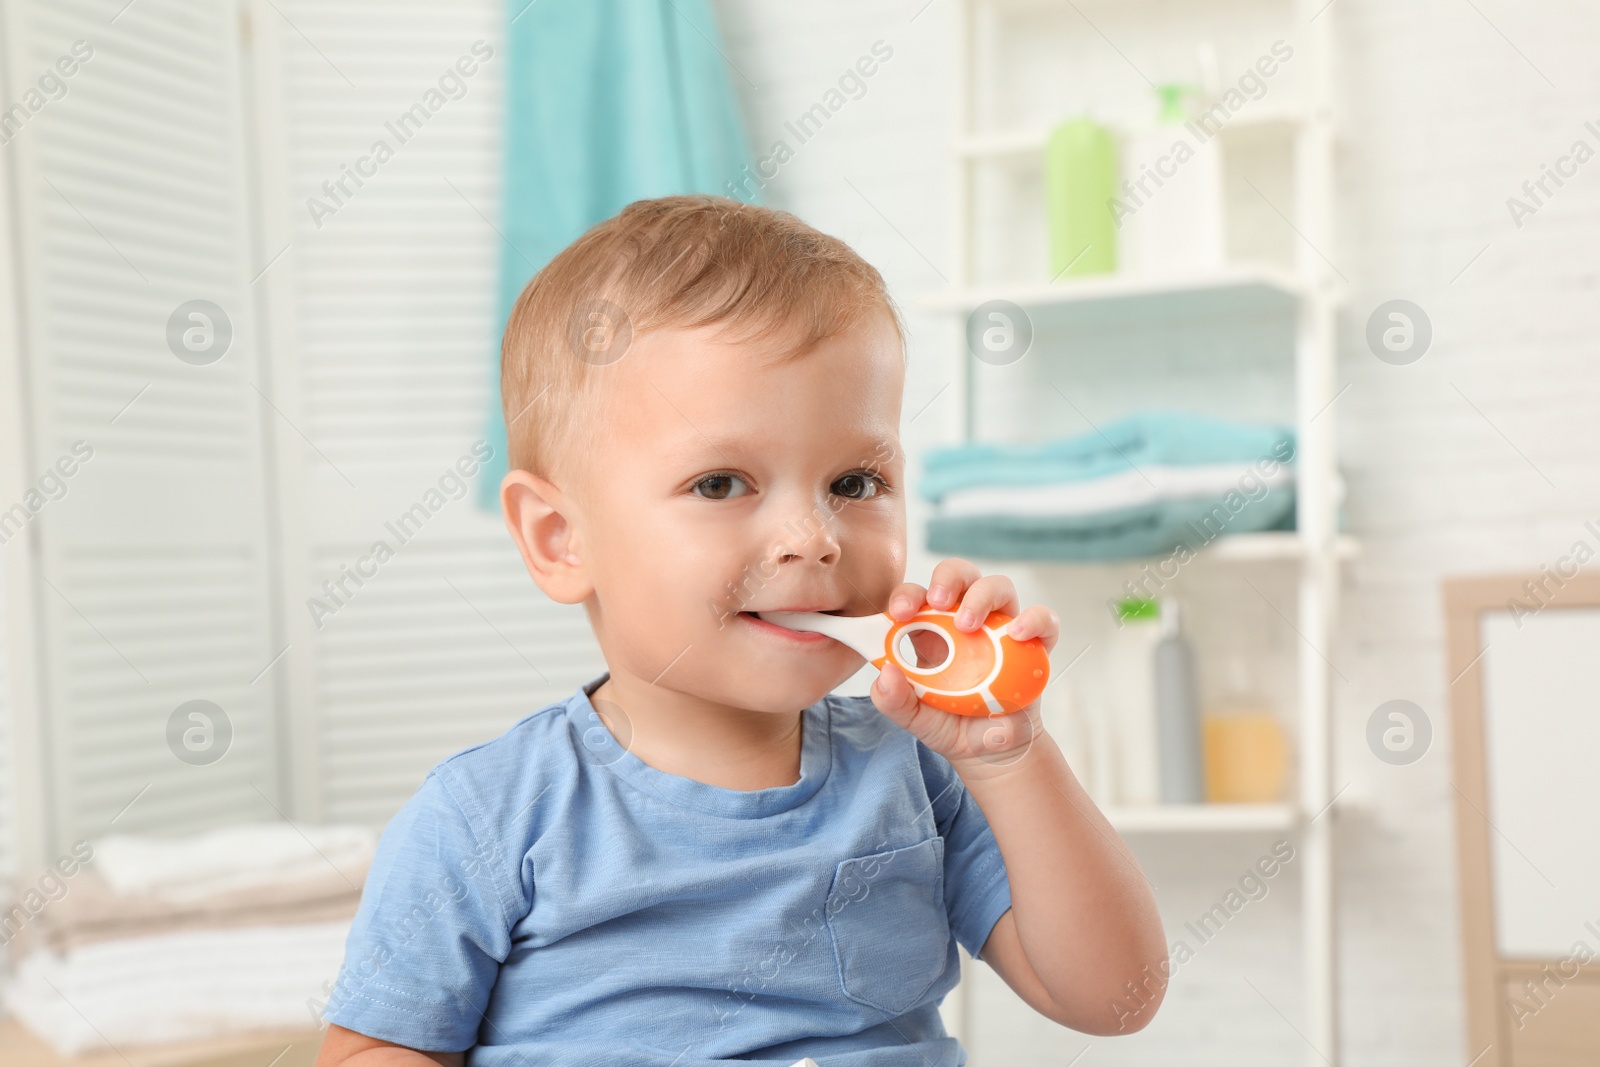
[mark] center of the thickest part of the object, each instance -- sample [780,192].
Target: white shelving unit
[1027,145]
[1305,293]
[1201,818]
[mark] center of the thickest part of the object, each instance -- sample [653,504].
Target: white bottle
[1099,723]
[1169,205]
[1082,728]
[1062,712]
[1131,689]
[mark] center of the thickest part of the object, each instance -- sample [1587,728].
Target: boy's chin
[781,692]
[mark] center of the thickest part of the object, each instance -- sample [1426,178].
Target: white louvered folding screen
[8,855]
[132,199]
[448,642]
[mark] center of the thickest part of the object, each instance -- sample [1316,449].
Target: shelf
[20,1047]
[1203,818]
[1027,145]
[1270,547]
[1233,290]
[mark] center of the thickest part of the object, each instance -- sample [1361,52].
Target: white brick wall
[1442,120]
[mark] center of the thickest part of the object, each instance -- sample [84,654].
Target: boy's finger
[893,695]
[1037,621]
[906,599]
[950,579]
[993,593]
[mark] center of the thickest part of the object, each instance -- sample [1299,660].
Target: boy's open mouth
[783,633]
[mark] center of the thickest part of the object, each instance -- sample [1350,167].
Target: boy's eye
[859,486]
[721,486]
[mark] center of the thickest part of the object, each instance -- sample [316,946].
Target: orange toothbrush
[983,671]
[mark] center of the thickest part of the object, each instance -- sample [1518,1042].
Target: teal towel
[607,102]
[1147,438]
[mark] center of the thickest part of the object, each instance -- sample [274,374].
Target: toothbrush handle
[984,672]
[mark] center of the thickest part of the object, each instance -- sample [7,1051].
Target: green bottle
[1080,177]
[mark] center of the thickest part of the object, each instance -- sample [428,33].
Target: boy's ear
[537,515]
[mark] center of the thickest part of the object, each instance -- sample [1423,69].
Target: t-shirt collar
[599,748]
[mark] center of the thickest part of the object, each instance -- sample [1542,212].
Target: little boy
[703,857]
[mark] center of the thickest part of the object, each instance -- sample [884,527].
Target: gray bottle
[1177,714]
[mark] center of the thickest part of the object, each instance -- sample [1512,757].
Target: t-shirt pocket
[887,918]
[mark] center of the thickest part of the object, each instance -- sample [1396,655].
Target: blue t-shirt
[549,898]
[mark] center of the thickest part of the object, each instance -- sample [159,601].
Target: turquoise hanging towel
[607,102]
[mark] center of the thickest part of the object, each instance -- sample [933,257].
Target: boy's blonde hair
[676,261]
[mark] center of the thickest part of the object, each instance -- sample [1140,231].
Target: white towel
[1113,492]
[168,988]
[187,869]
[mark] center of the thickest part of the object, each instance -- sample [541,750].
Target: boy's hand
[968,742]
[1082,943]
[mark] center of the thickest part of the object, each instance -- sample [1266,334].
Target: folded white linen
[178,987]
[1126,489]
[251,855]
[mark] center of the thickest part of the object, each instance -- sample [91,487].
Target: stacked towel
[256,858]
[177,987]
[1140,486]
[186,939]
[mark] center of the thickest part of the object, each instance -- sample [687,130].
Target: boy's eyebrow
[696,443]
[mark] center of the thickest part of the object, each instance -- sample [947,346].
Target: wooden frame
[1570,1035]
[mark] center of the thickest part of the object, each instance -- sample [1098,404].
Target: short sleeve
[976,889]
[432,929]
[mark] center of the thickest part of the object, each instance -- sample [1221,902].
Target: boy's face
[724,483]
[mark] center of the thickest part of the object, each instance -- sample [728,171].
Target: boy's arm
[346,1048]
[1082,943]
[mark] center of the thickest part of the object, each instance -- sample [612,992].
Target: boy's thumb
[893,695]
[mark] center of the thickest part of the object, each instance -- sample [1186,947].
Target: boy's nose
[811,536]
